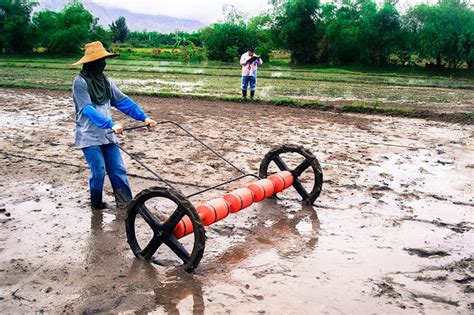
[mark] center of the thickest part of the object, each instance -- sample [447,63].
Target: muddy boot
[122,197]
[252,95]
[99,206]
[96,200]
[244,94]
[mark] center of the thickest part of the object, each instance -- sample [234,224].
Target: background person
[249,72]
[93,95]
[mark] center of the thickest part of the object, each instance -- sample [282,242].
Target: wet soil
[391,231]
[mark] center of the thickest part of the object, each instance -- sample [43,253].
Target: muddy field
[392,230]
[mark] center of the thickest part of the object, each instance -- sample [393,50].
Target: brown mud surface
[391,231]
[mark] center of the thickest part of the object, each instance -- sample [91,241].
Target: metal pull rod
[204,144]
[245,174]
[136,159]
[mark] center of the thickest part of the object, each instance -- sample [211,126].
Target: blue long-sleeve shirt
[126,106]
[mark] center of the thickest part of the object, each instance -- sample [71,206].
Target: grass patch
[388,110]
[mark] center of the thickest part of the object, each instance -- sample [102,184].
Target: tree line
[339,32]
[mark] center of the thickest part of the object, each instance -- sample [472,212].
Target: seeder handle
[130,128]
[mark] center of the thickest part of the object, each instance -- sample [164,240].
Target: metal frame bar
[244,174]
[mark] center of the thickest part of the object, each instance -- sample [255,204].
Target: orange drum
[239,199]
[262,189]
[213,210]
[288,177]
[278,182]
[183,228]
[282,180]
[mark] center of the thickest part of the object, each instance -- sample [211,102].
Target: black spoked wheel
[306,184]
[151,218]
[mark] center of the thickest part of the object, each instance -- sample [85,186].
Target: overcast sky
[203,10]
[206,11]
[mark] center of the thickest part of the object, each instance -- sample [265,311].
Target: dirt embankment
[391,231]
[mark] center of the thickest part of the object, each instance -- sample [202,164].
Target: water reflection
[290,230]
[116,282]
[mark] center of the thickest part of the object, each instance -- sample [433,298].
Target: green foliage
[380,33]
[16,33]
[341,41]
[119,30]
[296,24]
[360,32]
[260,26]
[336,32]
[443,32]
[129,53]
[226,41]
[67,31]
[155,39]
[150,39]
[187,46]
[100,34]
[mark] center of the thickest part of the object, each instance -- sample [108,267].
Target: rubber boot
[122,197]
[252,94]
[96,200]
[244,94]
[99,206]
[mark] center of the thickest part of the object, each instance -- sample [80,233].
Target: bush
[226,41]
[67,31]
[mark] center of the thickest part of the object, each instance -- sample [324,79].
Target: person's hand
[117,129]
[150,122]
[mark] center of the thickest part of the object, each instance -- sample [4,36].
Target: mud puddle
[391,231]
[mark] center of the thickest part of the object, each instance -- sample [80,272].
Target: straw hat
[94,51]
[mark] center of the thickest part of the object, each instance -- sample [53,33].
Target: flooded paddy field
[392,230]
[334,86]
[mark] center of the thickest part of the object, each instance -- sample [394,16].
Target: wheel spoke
[149,218]
[178,248]
[177,215]
[301,168]
[280,163]
[152,247]
[300,189]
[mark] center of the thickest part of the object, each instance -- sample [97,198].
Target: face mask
[95,67]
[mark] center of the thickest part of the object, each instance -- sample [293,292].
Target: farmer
[93,95]
[249,62]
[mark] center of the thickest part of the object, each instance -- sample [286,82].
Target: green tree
[443,32]
[119,30]
[100,34]
[16,32]
[183,41]
[226,41]
[67,31]
[380,32]
[150,39]
[360,32]
[260,26]
[342,33]
[296,22]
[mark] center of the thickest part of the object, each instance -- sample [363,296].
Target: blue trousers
[246,79]
[104,159]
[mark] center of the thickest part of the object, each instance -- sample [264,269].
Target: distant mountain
[135,21]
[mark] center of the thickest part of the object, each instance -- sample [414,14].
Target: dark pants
[104,159]
[248,79]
